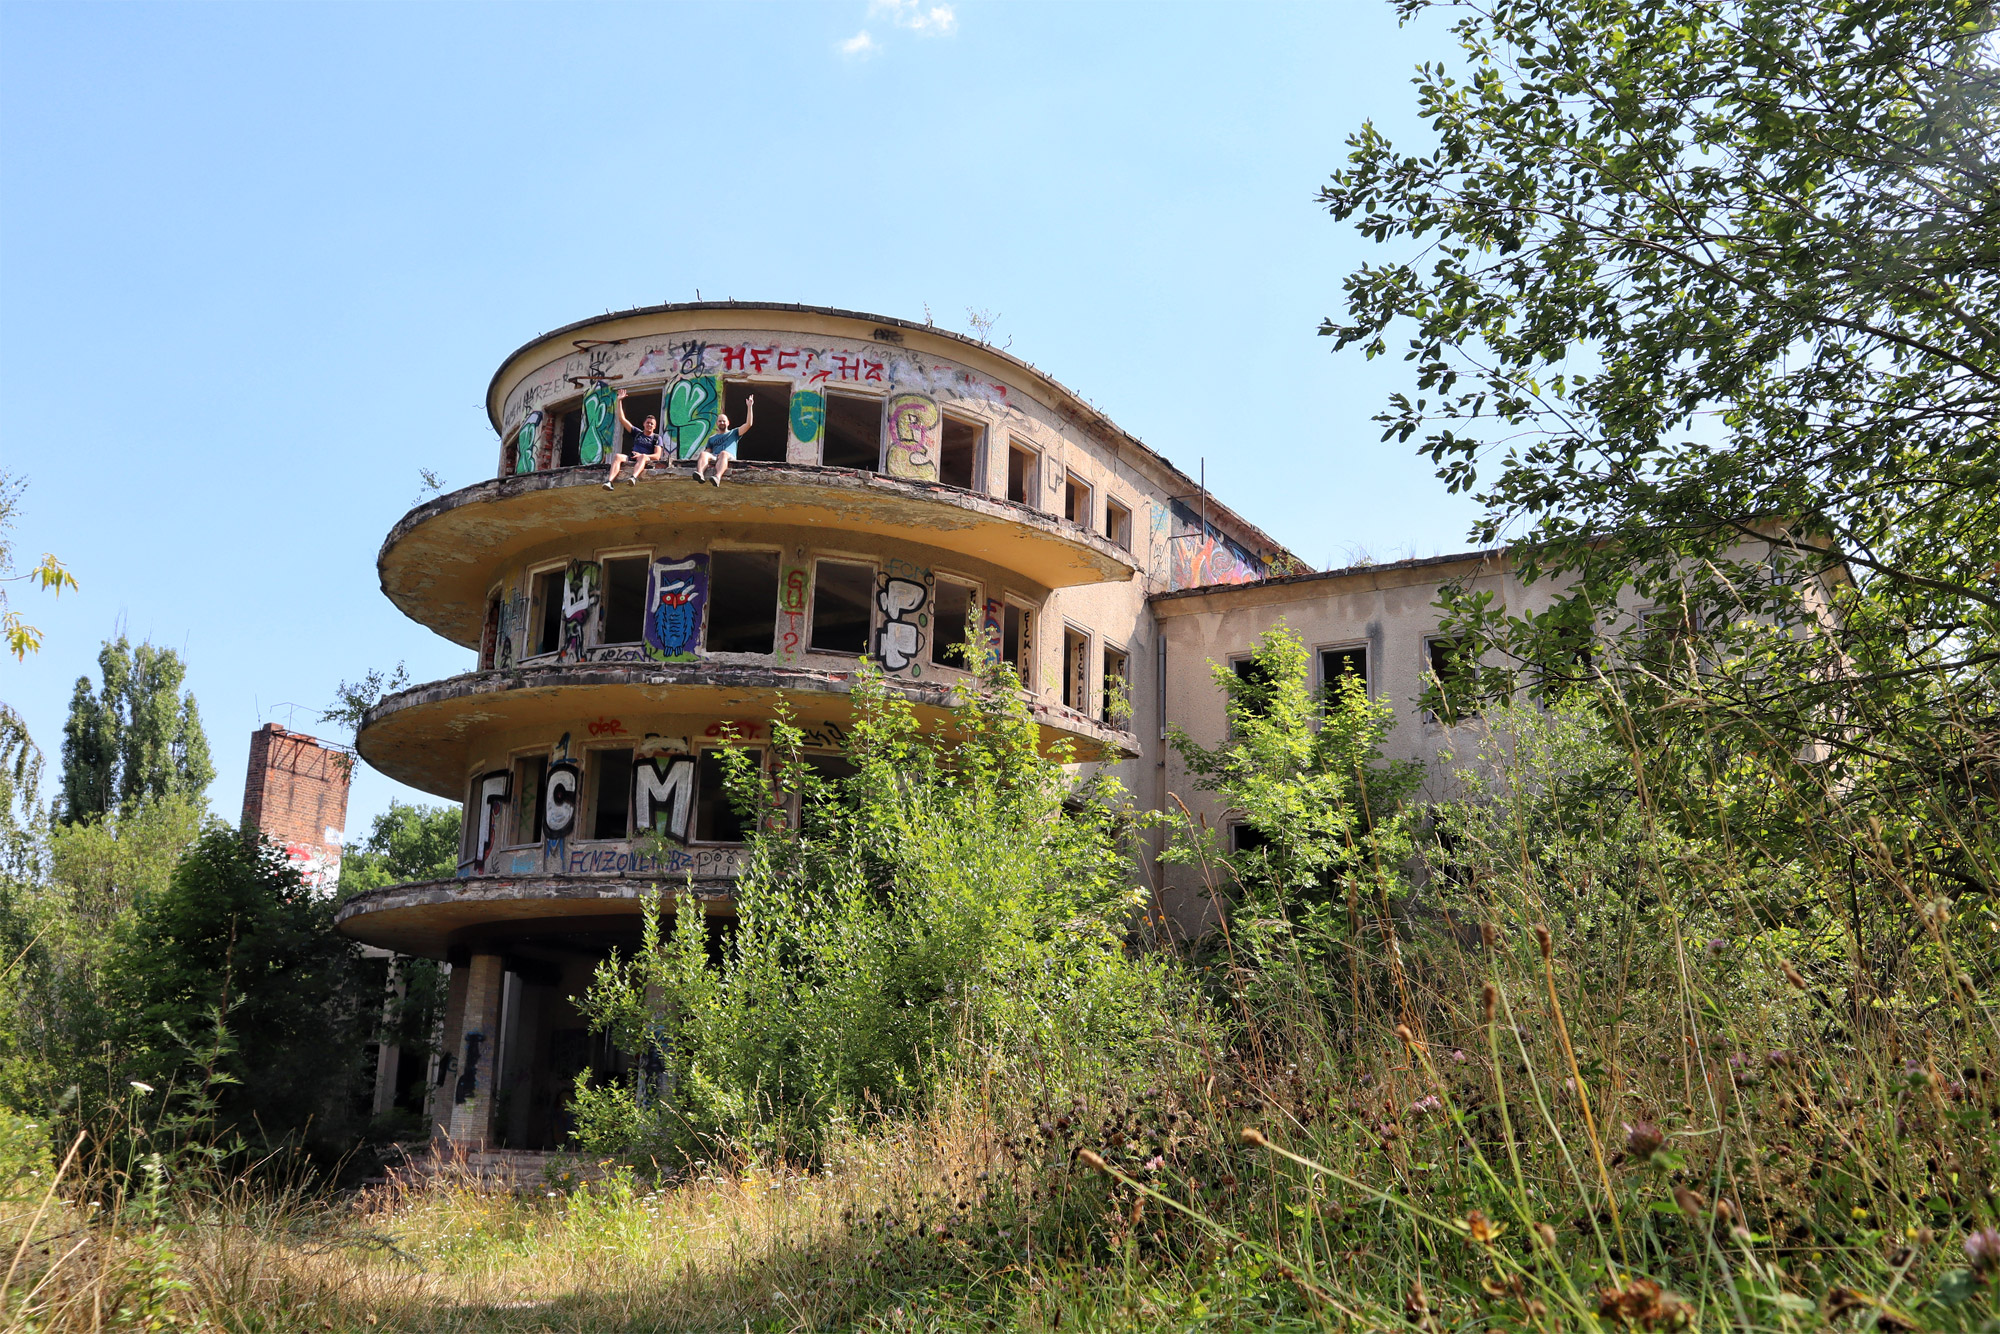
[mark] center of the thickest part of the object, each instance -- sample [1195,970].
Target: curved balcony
[424,736]
[588,912]
[440,559]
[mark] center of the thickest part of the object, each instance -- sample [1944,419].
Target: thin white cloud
[935,20]
[860,46]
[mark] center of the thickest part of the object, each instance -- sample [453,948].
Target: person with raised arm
[720,448]
[642,445]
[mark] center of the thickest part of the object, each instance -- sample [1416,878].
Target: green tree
[1701,301]
[22,638]
[138,735]
[407,842]
[237,955]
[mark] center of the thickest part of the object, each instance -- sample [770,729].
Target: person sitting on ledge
[721,447]
[642,443]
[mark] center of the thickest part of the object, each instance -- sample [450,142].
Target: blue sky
[257,263]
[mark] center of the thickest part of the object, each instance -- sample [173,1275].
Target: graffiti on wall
[689,406]
[513,618]
[558,796]
[318,865]
[580,585]
[913,423]
[903,593]
[676,593]
[1200,553]
[600,414]
[663,795]
[808,416]
[792,585]
[492,804]
[996,611]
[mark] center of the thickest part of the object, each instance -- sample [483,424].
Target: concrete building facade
[893,478]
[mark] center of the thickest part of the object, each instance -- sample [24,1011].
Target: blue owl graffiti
[676,594]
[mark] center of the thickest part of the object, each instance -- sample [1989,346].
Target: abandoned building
[893,478]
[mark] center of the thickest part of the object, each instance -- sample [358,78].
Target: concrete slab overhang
[428,918]
[441,558]
[424,736]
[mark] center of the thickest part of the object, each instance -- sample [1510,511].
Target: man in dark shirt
[642,444]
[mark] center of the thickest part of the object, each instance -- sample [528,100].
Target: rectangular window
[1076,500]
[529,770]
[715,820]
[1014,646]
[1076,669]
[766,440]
[1118,524]
[1253,673]
[624,599]
[1021,475]
[610,778]
[958,453]
[853,432]
[1243,838]
[1450,665]
[1342,664]
[1117,706]
[569,437]
[951,603]
[742,601]
[842,601]
[548,602]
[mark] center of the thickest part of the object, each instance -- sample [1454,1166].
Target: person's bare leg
[721,467]
[616,459]
[701,465]
[639,462]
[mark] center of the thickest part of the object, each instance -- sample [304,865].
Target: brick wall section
[295,791]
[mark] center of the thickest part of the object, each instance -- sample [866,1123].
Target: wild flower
[1982,1251]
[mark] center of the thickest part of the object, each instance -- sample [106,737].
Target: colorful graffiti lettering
[996,613]
[492,800]
[690,407]
[607,727]
[525,441]
[663,795]
[913,420]
[791,611]
[676,593]
[808,416]
[905,604]
[579,598]
[600,411]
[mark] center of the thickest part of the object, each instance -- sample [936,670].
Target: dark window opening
[829,769]
[611,783]
[1450,662]
[1076,500]
[529,770]
[1117,708]
[766,441]
[569,437]
[1076,668]
[1257,700]
[853,432]
[843,597]
[1243,838]
[1020,475]
[715,819]
[489,638]
[624,599]
[1118,524]
[1014,640]
[1337,665]
[951,604]
[742,601]
[548,612]
[958,453]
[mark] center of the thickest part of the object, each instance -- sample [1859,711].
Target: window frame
[1031,475]
[978,602]
[1105,649]
[1429,673]
[694,839]
[515,760]
[1322,685]
[881,402]
[777,597]
[1086,641]
[1122,538]
[1025,669]
[603,617]
[981,433]
[588,774]
[1077,489]
[874,568]
[537,602]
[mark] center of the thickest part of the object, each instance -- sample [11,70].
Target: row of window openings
[1114,667]
[604,806]
[854,436]
[743,609]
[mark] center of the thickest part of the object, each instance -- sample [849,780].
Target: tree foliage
[137,735]
[1703,301]
[48,575]
[407,842]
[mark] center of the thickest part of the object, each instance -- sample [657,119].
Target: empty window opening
[610,779]
[548,612]
[1076,669]
[1014,640]
[766,441]
[529,770]
[853,433]
[715,818]
[569,436]
[1118,524]
[1076,501]
[843,597]
[958,453]
[951,604]
[624,599]
[1243,838]
[1117,707]
[1340,665]
[1451,663]
[1020,475]
[1257,700]
[742,601]
[489,638]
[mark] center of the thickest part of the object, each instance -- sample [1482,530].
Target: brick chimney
[295,791]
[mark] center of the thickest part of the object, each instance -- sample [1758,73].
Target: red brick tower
[295,791]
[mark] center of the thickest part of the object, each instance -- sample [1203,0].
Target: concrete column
[389,1058]
[452,1047]
[471,1083]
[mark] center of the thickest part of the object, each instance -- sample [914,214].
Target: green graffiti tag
[690,407]
[600,409]
[808,415]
